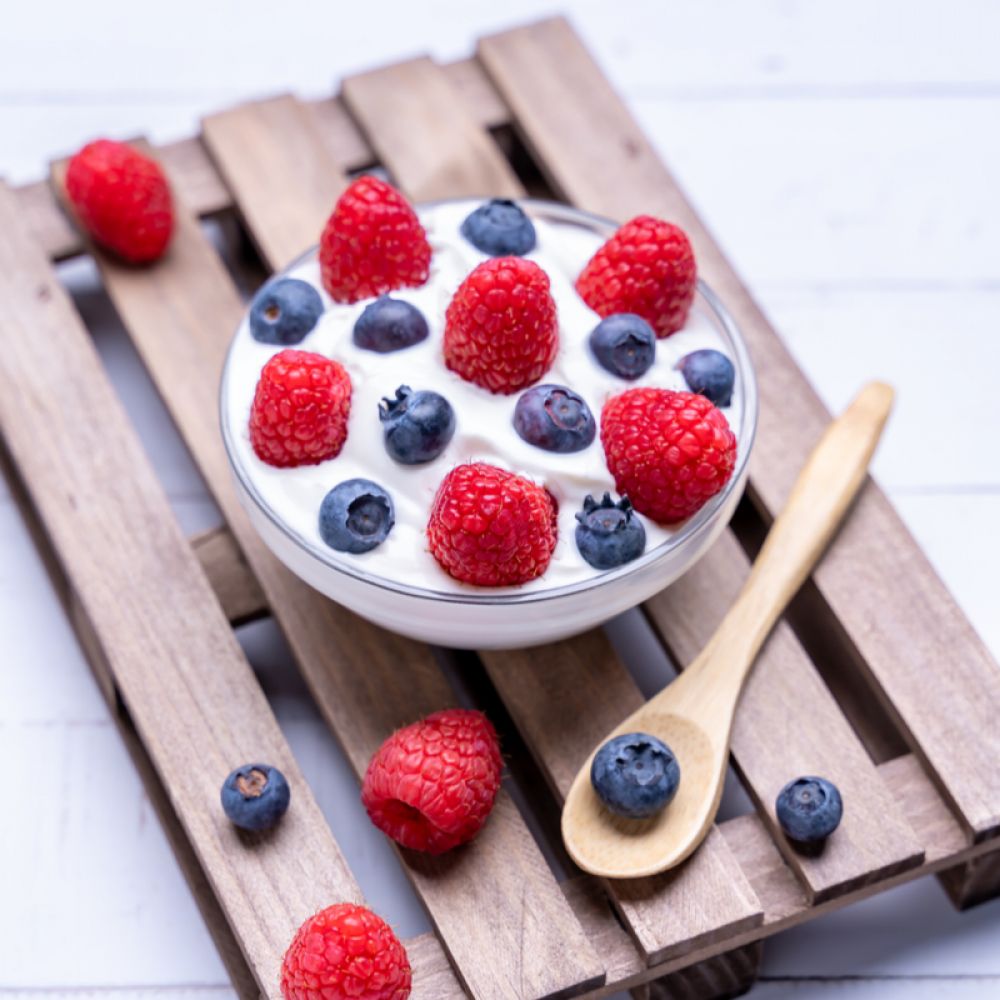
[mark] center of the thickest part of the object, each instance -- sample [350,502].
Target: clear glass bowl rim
[697,525]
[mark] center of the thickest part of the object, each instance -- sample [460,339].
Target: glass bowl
[481,618]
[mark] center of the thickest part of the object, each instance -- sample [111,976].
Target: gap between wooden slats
[931,669]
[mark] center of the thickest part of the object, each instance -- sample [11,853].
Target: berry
[372,243]
[609,534]
[710,373]
[490,527]
[624,344]
[122,198]
[554,418]
[669,452]
[500,328]
[300,409]
[284,311]
[345,952]
[635,775]
[431,785]
[809,809]
[500,228]
[356,516]
[417,425]
[255,796]
[646,268]
[389,325]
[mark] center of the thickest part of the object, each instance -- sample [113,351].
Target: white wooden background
[847,156]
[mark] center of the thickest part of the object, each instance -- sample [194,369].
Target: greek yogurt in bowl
[399,584]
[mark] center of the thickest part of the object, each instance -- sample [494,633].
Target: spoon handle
[827,484]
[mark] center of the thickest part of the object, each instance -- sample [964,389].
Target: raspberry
[300,409]
[669,452]
[646,268]
[345,952]
[500,328]
[372,243]
[122,199]
[431,785]
[491,527]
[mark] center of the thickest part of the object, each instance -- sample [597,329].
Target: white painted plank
[872,193]
[939,349]
[643,43]
[912,930]
[903,988]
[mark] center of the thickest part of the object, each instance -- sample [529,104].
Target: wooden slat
[564,698]
[934,674]
[189,691]
[285,144]
[788,724]
[409,111]
[413,116]
[181,314]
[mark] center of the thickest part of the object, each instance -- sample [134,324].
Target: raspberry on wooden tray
[122,198]
[345,952]
[431,785]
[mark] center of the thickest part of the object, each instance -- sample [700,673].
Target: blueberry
[255,796]
[500,228]
[809,809]
[389,324]
[417,425]
[356,516]
[554,418]
[609,534]
[624,344]
[710,373]
[635,775]
[284,311]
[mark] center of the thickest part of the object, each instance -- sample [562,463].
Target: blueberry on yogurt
[417,426]
[356,516]
[555,418]
[609,533]
[709,373]
[624,344]
[284,311]
[389,324]
[500,228]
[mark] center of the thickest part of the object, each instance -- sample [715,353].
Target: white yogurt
[484,432]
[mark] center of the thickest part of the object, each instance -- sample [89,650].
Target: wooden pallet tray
[875,678]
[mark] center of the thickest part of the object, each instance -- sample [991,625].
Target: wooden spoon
[694,714]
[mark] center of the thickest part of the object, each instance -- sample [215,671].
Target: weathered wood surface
[181,315]
[932,671]
[285,143]
[189,691]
